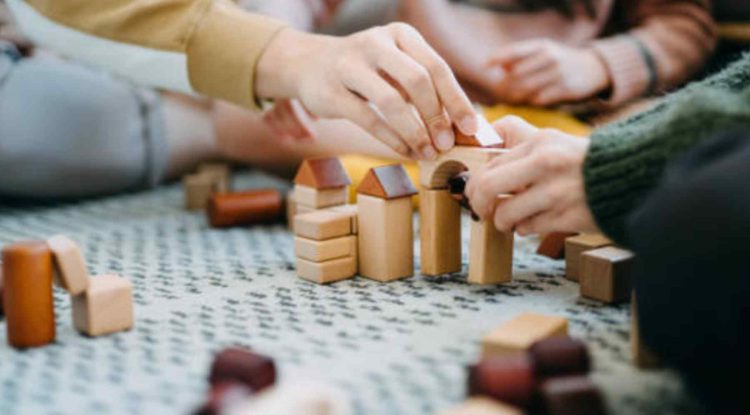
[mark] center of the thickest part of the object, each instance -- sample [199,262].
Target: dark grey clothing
[67,131]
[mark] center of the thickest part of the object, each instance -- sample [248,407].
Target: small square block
[605,274]
[105,307]
[320,198]
[577,245]
[327,271]
[322,224]
[519,334]
[351,210]
[482,406]
[318,251]
[198,189]
[220,174]
[69,263]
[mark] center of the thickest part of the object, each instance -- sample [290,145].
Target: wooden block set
[100,305]
[530,365]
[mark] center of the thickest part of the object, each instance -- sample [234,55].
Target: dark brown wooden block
[27,301]
[322,173]
[509,379]
[577,245]
[571,395]
[605,274]
[559,356]
[387,182]
[239,365]
[553,245]
[245,208]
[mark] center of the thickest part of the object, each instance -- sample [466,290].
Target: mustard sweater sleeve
[221,42]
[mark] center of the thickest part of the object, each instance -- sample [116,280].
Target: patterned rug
[395,348]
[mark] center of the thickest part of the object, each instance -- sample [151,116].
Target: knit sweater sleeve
[626,160]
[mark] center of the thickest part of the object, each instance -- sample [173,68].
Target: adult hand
[545,72]
[385,79]
[290,121]
[544,172]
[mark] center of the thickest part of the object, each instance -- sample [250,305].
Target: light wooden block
[605,274]
[71,274]
[302,209]
[327,271]
[439,232]
[490,254]
[386,239]
[517,335]
[318,251]
[642,357]
[220,174]
[320,198]
[322,224]
[105,307]
[198,189]
[483,406]
[351,210]
[435,174]
[291,210]
[577,245]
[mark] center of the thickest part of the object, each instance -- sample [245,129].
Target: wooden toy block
[571,395]
[386,248]
[318,251]
[553,245]
[642,356]
[485,137]
[519,334]
[605,274]
[387,182]
[322,224]
[352,211]
[435,174]
[439,232]
[322,173]
[490,254]
[71,270]
[320,198]
[291,209]
[244,208]
[198,188]
[253,370]
[27,294]
[220,174]
[327,271]
[508,379]
[105,307]
[482,406]
[302,209]
[560,356]
[577,245]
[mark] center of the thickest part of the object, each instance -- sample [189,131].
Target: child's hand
[544,72]
[543,171]
[290,121]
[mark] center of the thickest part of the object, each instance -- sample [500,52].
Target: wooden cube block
[70,265]
[220,174]
[519,334]
[575,246]
[483,406]
[198,188]
[386,239]
[318,251]
[508,379]
[105,307]
[642,357]
[321,198]
[606,274]
[327,271]
[490,254]
[553,245]
[439,232]
[322,224]
[352,211]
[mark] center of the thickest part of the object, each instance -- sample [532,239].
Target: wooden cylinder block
[509,379]
[245,208]
[28,305]
[239,365]
[560,355]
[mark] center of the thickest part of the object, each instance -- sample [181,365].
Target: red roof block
[387,182]
[322,173]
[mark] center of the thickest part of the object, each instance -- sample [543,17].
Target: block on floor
[386,241]
[482,406]
[220,174]
[69,263]
[320,198]
[327,271]
[575,246]
[439,232]
[105,307]
[553,245]
[318,251]
[322,224]
[605,274]
[198,189]
[518,334]
[490,254]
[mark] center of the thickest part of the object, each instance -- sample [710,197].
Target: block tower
[320,183]
[386,240]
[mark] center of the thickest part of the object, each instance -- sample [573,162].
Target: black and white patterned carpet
[395,348]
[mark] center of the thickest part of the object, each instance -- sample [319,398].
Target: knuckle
[388,101]
[419,79]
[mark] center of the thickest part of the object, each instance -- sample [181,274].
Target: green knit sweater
[626,159]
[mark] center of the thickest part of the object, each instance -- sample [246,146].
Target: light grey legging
[67,131]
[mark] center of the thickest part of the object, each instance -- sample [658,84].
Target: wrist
[276,75]
[600,76]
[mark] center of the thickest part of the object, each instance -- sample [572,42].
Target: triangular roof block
[387,182]
[322,173]
[485,137]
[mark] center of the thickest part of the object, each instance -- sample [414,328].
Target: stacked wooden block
[209,179]
[101,305]
[325,226]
